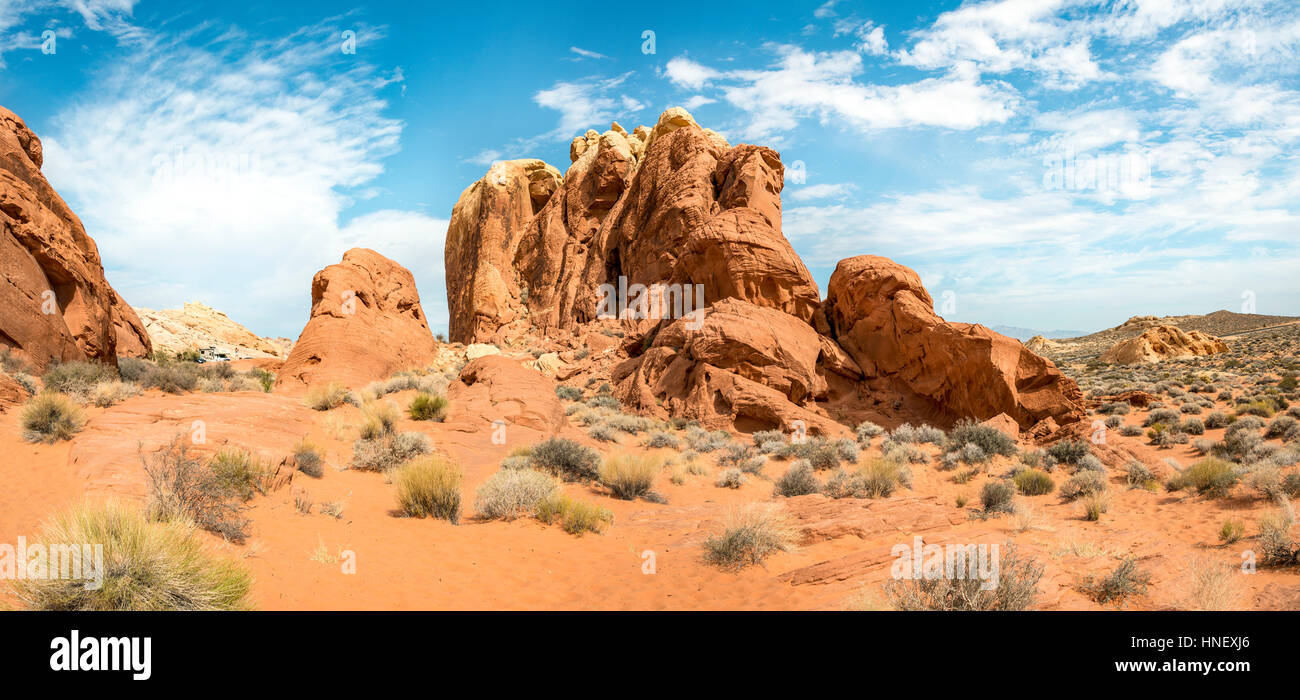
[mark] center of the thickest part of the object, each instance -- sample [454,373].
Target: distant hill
[196,326]
[1221,324]
[1023,334]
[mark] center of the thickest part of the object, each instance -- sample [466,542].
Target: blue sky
[1048,164]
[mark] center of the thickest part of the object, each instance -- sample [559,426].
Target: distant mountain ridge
[1219,324]
[1023,334]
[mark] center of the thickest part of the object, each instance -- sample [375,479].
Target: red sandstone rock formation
[676,208]
[1163,343]
[366,323]
[55,303]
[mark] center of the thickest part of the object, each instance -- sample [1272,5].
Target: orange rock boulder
[55,303]
[366,323]
[882,316]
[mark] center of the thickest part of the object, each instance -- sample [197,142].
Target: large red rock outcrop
[366,323]
[882,316]
[739,337]
[55,303]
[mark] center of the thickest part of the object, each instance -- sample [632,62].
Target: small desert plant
[568,393]
[146,566]
[238,471]
[566,459]
[867,430]
[630,476]
[1125,581]
[308,458]
[182,489]
[1277,548]
[1214,585]
[1211,476]
[513,493]
[328,396]
[750,535]
[991,441]
[378,419]
[798,480]
[49,418]
[1231,531]
[1016,588]
[878,478]
[603,433]
[77,378]
[426,406]
[1094,505]
[661,438]
[575,516]
[1069,451]
[1082,484]
[113,392]
[730,479]
[388,451]
[997,496]
[1033,482]
[1138,476]
[429,487]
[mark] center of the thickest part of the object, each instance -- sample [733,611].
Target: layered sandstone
[1163,343]
[366,323]
[735,333]
[196,326]
[55,303]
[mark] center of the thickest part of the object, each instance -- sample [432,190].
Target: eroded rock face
[1163,343]
[55,303]
[366,323]
[195,326]
[882,316]
[741,337]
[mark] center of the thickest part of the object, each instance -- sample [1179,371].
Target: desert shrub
[1279,426]
[172,378]
[238,471]
[1094,505]
[603,401]
[264,378]
[997,496]
[908,434]
[181,489]
[566,459]
[1130,431]
[1016,589]
[798,480]
[426,406]
[1032,458]
[1082,484]
[1216,419]
[603,433]
[1090,463]
[112,392]
[1125,581]
[1192,426]
[568,393]
[429,487]
[1138,476]
[575,516]
[11,363]
[866,430]
[704,441]
[762,437]
[1263,408]
[389,451]
[309,459]
[630,476]
[1033,482]
[146,566]
[1291,484]
[1231,531]
[662,438]
[1277,548]
[1161,415]
[878,478]
[1113,422]
[750,535]
[991,441]
[1069,451]
[1114,408]
[378,419]
[513,493]
[1214,585]
[77,378]
[328,396]
[730,479]
[1210,477]
[846,450]
[49,418]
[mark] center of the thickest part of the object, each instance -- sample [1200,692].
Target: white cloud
[804,84]
[584,53]
[697,101]
[685,73]
[585,104]
[235,155]
[110,16]
[807,193]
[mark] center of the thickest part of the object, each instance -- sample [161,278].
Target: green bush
[1033,482]
[566,459]
[990,440]
[997,496]
[426,406]
[429,487]
[1210,477]
[50,418]
[798,480]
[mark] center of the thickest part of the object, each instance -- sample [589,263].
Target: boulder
[366,323]
[495,388]
[55,303]
[1163,343]
[882,316]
